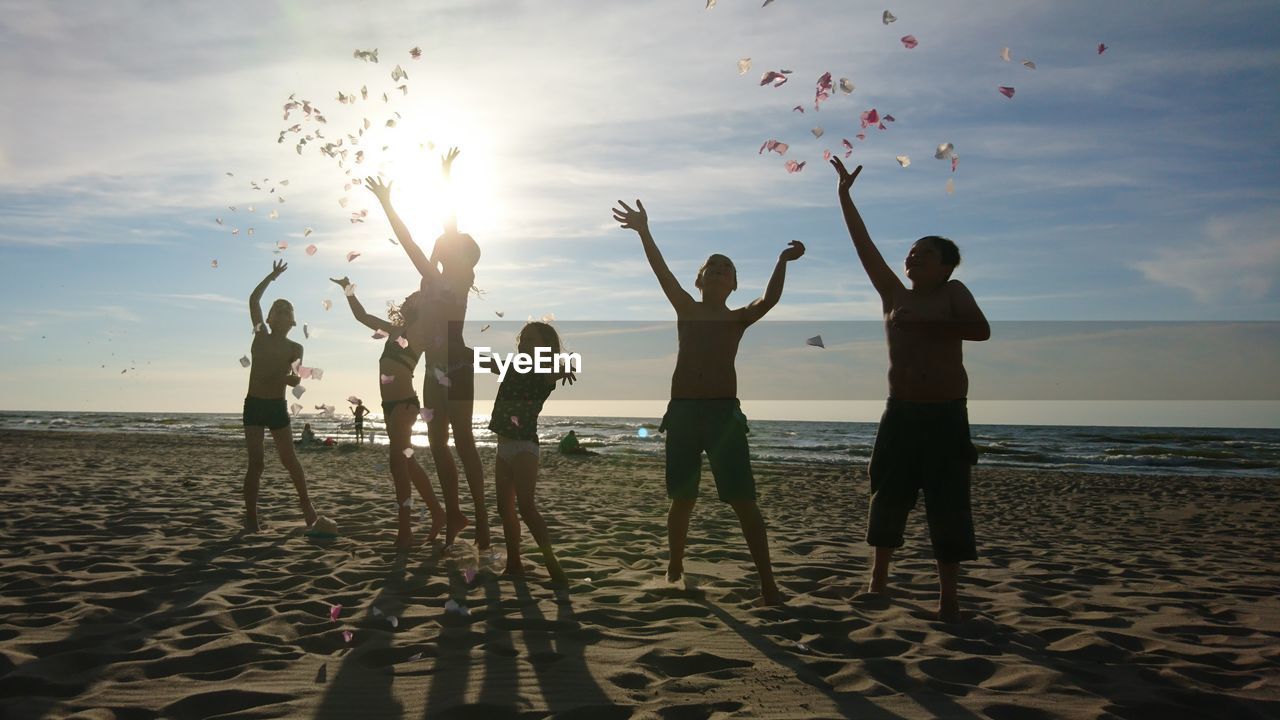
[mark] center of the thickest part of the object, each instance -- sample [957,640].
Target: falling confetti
[244,361]
[469,574]
[379,334]
[402,341]
[955,161]
[214,264]
[769,145]
[499,313]
[1102,47]
[846,87]
[945,151]
[426,414]
[1004,54]
[311,249]
[823,91]
[817,132]
[218,220]
[744,65]
[415,53]
[794,167]
[347,635]
[951,185]
[318,374]
[826,156]
[398,74]
[486,327]
[327,304]
[799,108]
[297,391]
[408,452]
[352,255]
[366,55]
[777,77]
[249,231]
[1006,91]
[282,244]
[294,409]
[1028,64]
[515,421]
[274,214]
[869,117]
[235,231]
[711,4]
[306,331]
[903,160]
[848,147]
[386,379]
[453,606]
[909,42]
[887,17]
[442,378]
[815,341]
[306,232]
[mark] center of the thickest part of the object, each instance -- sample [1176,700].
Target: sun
[409,154]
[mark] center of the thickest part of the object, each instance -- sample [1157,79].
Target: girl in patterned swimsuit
[400,409]
[515,423]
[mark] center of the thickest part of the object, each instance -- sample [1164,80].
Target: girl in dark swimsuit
[400,408]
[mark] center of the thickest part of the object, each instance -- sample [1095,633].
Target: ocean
[1220,452]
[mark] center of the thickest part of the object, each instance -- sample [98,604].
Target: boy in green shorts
[704,413]
[923,440]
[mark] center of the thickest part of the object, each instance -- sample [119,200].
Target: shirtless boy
[923,440]
[273,356]
[704,413]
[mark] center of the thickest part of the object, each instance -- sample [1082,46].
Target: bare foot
[513,569]
[454,525]
[251,524]
[309,515]
[404,540]
[437,521]
[772,597]
[948,611]
[675,573]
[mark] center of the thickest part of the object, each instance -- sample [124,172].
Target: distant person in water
[359,411]
[514,422]
[400,409]
[448,385]
[704,413]
[265,408]
[923,440]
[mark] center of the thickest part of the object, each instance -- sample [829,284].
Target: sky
[1138,187]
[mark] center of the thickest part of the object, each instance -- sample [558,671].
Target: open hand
[637,220]
[446,160]
[380,190]
[342,282]
[277,268]
[846,178]
[569,377]
[794,251]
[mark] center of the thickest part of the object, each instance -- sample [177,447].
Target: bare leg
[948,601]
[880,570]
[253,437]
[507,511]
[406,470]
[526,481]
[447,471]
[465,441]
[422,482]
[284,448]
[677,534]
[758,542]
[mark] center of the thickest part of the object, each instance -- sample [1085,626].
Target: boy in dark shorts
[704,413]
[273,356]
[923,440]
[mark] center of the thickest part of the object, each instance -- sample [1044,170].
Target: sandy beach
[127,591]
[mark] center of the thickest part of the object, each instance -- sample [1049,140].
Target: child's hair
[948,250]
[405,312]
[698,282]
[545,333]
[459,248]
[278,306]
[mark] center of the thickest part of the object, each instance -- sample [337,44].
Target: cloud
[1235,258]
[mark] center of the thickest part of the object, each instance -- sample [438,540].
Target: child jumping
[448,388]
[273,356]
[400,409]
[923,440]
[704,413]
[515,423]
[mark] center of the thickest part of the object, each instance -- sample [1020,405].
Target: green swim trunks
[718,427]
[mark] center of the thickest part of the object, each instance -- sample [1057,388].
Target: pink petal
[415,53]
[282,244]
[352,255]
[848,147]
[798,107]
[379,334]
[823,91]
[794,167]
[909,41]
[442,378]
[426,414]
[386,379]
[861,136]
[515,421]
[869,117]
[774,145]
[311,249]
[334,611]
[347,635]
[402,341]
[1006,91]
[214,264]
[1102,48]
[469,574]
[955,162]
[408,452]
[888,118]
[777,77]
[826,155]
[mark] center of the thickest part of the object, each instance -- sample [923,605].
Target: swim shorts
[262,412]
[718,427]
[923,446]
[389,406]
[509,448]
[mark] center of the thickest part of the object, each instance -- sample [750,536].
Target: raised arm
[255,297]
[638,220]
[446,167]
[773,292]
[364,317]
[882,277]
[382,191]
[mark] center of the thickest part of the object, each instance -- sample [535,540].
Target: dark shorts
[389,406]
[462,385]
[718,427]
[261,412]
[923,446]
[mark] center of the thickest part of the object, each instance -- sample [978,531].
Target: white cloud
[1236,258]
